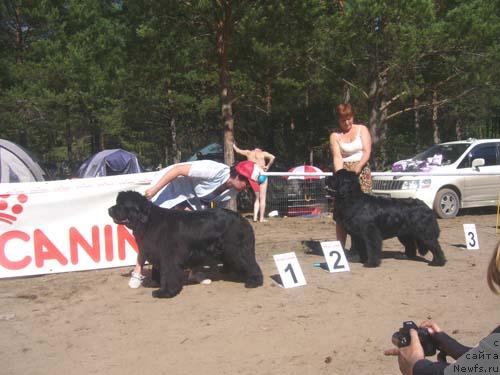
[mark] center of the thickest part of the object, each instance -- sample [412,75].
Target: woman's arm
[338,162]
[174,172]
[366,140]
[270,158]
[445,343]
[426,367]
[240,151]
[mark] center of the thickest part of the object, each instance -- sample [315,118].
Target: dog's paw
[253,283]
[437,263]
[403,256]
[353,257]
[162,294]
[149,283]
[372,264]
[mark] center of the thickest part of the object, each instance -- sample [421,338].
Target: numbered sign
[335,256]
[289,269]
[471,237]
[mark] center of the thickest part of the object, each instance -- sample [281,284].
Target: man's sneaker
[136,280]
[199,277]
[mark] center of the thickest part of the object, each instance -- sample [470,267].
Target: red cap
[251,171]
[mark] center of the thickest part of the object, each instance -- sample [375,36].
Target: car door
[482,184]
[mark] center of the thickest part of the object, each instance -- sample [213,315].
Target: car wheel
[446,203]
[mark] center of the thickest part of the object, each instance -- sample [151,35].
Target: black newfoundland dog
[174,240]
[369,220]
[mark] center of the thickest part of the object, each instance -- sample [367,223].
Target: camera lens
[395,339]
[400,339]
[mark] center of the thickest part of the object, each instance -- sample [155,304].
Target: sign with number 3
[471,237]
[289,269]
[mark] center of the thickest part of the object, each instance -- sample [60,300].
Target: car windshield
[450,152]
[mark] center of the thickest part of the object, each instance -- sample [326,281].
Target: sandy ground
[92,323]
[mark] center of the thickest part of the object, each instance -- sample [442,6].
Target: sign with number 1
[335,256]
[471,237]
[289,269]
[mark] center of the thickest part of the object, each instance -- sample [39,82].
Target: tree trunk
[69,142]
[292,141]
[175,148]
[223,33]
[458,130]
[383,120]
[102,145]
[166,154]
[269,99]
[435,125]
[222,43]
[308,124]
[273,132]
[341,7]
[373,121]
[18,35]
[278,134]
[416,117]
[346,97]
[95,136]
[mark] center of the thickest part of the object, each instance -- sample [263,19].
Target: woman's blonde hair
[493,275]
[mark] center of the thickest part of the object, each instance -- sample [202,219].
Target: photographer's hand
[431,327]
[446,344]
[409,355]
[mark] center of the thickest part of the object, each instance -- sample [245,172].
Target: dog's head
[346,184]
[131,209]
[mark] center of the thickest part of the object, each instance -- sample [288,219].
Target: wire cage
[298,197]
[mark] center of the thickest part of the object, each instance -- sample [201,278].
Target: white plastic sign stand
[335,256]
[471,238]
[289,269]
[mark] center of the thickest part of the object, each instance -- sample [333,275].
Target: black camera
[402,338]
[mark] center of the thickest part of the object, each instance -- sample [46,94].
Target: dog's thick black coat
[174,240]
[370,219]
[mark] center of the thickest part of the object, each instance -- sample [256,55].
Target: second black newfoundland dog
[369,220]
[174,240]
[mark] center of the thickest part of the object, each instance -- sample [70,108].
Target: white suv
[447,177]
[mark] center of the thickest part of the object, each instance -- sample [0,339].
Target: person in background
[193,186]
[411,358]
[351,147]
[264,160]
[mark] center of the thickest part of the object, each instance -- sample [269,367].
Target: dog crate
[298,197]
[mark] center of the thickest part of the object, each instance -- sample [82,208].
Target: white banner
[63,226]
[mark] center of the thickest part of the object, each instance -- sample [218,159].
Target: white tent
[17,165]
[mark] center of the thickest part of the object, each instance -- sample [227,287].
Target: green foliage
[90,74]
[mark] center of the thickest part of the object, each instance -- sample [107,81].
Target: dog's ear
[144,209]
[330,182]
[347,184]
[341,172]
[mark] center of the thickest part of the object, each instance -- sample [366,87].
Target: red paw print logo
[8,212]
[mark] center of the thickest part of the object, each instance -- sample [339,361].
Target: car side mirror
[476,163]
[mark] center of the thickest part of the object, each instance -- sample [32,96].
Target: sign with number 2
[335,256]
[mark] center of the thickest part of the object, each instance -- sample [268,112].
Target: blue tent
[17,165]
[110,163]
[213,151]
